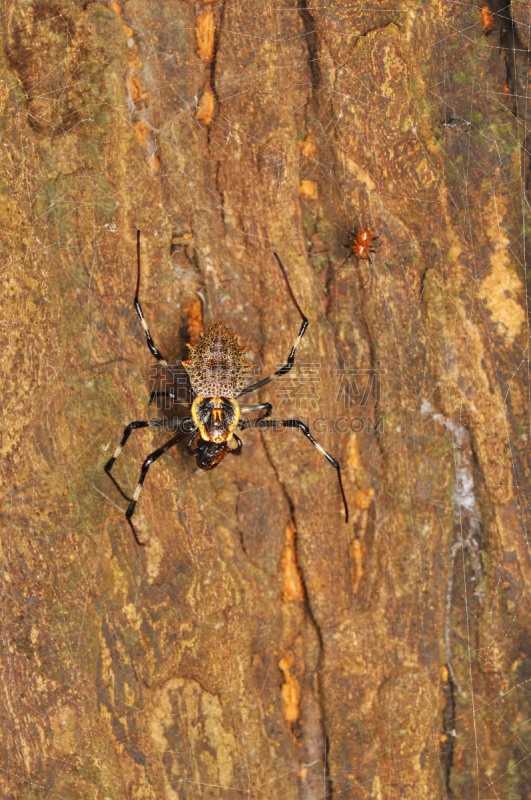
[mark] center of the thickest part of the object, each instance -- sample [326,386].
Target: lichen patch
[205,108]
[498,292]
[291,690]
[292,587]
[205,33]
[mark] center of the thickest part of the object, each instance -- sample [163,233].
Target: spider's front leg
[138,308]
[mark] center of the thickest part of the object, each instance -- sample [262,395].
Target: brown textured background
[257,646]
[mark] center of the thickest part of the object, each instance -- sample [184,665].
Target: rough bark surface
[257,646]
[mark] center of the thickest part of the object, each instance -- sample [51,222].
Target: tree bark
[257,645]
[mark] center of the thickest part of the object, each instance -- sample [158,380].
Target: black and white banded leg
[110,463]
[261,424]
[144,471]
[150,343]
[248,409]
[291,358]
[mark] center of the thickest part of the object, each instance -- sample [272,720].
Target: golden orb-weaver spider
[217,370]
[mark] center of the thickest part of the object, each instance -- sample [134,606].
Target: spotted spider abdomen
[216,366]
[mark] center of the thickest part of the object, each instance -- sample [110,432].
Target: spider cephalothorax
[217,365]
[216,418]
[217,372]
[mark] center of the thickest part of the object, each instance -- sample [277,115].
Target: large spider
[217,372]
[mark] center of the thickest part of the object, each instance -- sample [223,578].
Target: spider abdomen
[216,366]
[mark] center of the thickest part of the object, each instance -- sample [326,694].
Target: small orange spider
[361,244]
